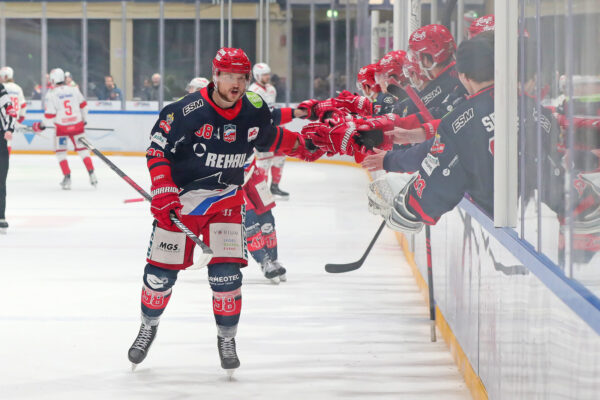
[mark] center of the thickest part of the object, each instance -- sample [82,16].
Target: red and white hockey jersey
[66,108]
[268,92]
[18,100]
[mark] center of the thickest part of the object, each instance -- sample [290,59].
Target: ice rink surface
[72,264]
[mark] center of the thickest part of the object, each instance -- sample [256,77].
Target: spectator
[151,92]
[109,91]
[69,80]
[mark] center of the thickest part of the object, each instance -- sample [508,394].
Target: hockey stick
[207,252]
[428,117]
[88,129]
[136,200]
[430,281]
[338,268]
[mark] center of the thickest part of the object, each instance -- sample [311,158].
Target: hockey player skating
[7,126]
[66,108]
[16,96]
[261,234]
[196,158]
[14,92]
[272,163]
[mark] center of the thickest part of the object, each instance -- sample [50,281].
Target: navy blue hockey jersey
[206,147]
[460,160]
[437,96]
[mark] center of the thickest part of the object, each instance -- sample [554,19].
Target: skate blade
[230,373]
[281,198]
[274,281]
[133,367]
[282,278]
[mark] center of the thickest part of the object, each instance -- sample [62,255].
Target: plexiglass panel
[559,112]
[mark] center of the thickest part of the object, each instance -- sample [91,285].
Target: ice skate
[93,179]
[3,226]
[276,191]
[140,347]
[281,271]
[228,355]
[66,182]
[270,271]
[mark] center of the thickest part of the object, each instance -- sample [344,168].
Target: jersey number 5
[68,109]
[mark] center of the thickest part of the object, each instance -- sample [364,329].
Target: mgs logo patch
[229,133]
[255,99]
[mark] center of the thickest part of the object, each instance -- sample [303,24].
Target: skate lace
[144,337]
[228,348]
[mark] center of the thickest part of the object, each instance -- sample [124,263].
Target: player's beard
[228,96]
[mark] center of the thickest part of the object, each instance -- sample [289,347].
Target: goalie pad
[386,198]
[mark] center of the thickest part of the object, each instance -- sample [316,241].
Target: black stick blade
[339,268]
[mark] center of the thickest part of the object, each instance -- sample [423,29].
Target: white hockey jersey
[268,93]
[66,108]
[18,100]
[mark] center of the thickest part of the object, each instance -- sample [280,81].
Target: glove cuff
[158,190]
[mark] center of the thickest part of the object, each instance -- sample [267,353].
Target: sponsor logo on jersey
[199,149]
[192,106]
[225,160]
[255,99]
[165,125]
[229,133]
[430,163]
[432,95]
[388,100]
[168,246]
[252,133]
[159,139]
[462,120]
[224,279]
[155,282]
[437,147]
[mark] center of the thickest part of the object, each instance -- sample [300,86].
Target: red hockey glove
[336,140]
[309,106]
[382,123]
[165,196]
[354,104]
[38,127]
[307,150]
[334,116]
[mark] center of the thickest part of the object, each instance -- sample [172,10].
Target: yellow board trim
[471,378]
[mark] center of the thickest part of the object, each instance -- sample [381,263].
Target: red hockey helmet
[413,72]
[394,70]
[231,60]
[434,40]
[366,75]
[481,24]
